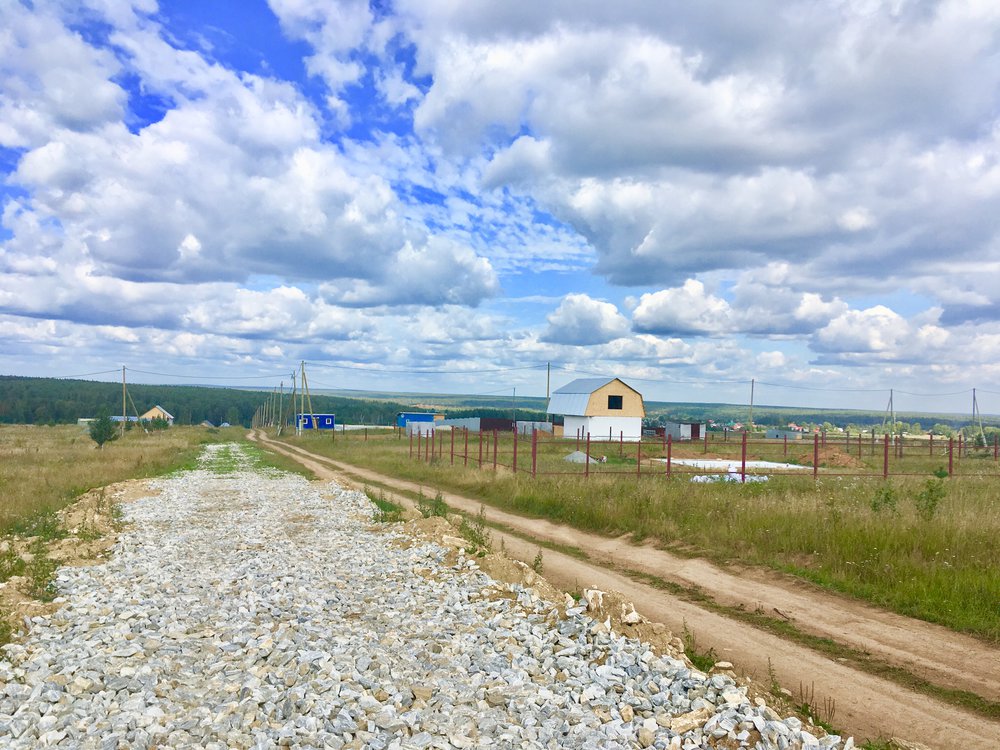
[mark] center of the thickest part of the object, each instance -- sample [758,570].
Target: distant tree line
[55,401]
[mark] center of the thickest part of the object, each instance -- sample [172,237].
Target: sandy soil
[866,706]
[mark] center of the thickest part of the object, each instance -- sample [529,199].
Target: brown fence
[819,455]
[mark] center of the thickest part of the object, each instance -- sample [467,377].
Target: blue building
[322,421]
[417,416]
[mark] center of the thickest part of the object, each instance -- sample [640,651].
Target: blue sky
[433,195]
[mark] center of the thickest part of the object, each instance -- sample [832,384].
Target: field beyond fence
[911,539]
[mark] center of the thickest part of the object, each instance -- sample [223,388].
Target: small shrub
[536,564]
[884,499]
[929,498]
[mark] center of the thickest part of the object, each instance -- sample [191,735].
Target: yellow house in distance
[157,412]
[604,408]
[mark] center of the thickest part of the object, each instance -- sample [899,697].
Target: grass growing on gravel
[919,545]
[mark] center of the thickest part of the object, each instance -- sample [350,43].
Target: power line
[86,374]
[825,390]
[209,377]
[414,371]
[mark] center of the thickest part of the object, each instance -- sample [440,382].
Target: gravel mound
[255,610]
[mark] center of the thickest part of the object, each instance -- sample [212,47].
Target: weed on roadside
[536,564]
[703,660]
[820,715]
[476,533]
[43,525]
[430,508]
[40,573]
[386,511]
[11,563]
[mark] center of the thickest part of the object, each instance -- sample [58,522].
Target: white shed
[604,408]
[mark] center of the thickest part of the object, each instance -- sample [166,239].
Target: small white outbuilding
[604,408]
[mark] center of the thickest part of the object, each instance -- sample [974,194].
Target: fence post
[951,456]
[859,446]
[885,458]
[706,439]
[638,457]
[786,445]
[480,448]
[996,446]
[930,449]
[534,451]
[670,450]
[586,464]
[815,456]
[743,460]
[494,450]
[465,458]
[824,438]
[621,442]
[514,463]
[578,437]
[960,445]
[452,446]
[411,445]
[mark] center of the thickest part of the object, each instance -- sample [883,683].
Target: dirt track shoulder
[866,705]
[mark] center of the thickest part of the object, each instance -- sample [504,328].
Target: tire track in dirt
[866,706]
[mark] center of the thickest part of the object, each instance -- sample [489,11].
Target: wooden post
[706,439]
[465,461]
[534,451]
[961,443]
[452,431]
[621,442]
[586,464]
[885,459]
[366,433]
[411,445]
[494,450]
[786,445]
[480,448]
[514,463]
[951,456]
[930,443]
[638,457]
[996,446]
[815,456]
[743,459]
[670,448]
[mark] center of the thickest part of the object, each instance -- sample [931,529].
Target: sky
[447,195]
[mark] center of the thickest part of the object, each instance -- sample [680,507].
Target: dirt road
[866,706]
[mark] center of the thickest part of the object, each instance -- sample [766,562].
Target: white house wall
[625,428]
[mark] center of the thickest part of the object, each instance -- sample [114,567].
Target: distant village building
[776,433]
[684,430]
[604,408]
[404,417]
[157,412]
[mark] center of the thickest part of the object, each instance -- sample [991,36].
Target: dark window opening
[614,402]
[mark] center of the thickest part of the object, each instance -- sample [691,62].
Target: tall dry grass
[43,469]
[872,539]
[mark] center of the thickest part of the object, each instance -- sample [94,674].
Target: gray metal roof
[583,385]
[571,404]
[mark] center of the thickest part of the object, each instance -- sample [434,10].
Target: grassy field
[917,544]
[43,469]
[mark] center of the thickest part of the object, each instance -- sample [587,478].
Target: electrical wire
[85,375]
[207,377]
[424,371]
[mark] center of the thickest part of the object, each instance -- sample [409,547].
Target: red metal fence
[539,453]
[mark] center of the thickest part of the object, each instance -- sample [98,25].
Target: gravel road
[253,609]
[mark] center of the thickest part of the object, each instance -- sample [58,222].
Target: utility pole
[548,381]
[123,401]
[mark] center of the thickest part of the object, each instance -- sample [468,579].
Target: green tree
[102,430]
